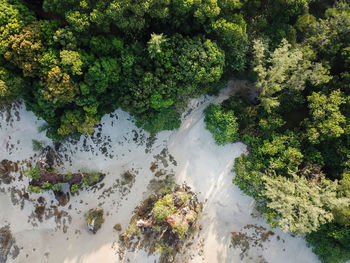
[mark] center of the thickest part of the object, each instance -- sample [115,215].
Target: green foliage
[34,189]
[164,248]
[59,86]
[286,68]
[11,85]
[154,44]
[167,119]
[223,125]
[150,57]
[282,153]
[233,38]
[92,178]
[342,214]
[33,173]
[70,61]
[327,118]
[14,16]
[158,103]
[57,187]
[26,50]
[180,230]
[95,217]
[247,179]
[302,205]
[74,188]
[67,177]
[331,243]
[46,186]
[163,208]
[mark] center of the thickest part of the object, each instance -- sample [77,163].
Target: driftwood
[55,178]
[46,172]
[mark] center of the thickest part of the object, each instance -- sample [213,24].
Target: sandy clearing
[203,165]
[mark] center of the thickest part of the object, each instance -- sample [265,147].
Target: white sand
[203,165]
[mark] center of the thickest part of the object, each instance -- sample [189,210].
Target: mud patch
[251,236]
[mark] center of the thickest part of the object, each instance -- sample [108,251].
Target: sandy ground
[118,146]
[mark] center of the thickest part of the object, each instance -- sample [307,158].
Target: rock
[94,219]
[124,237]
[50,156]
[142,223]
[6,242]
[159,173]
[62,198]
[117,227]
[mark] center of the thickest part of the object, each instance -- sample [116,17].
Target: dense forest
[73,61]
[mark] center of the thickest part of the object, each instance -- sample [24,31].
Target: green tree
[59,86]
[286,68]
[14,16]
[331,243]
[11,85]
[327,119]
[71,62]
[302,206]
[155,43]
[222,125]
[25,50]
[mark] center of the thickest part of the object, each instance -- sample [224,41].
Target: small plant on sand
[37,145]
[57,187]
[43,127]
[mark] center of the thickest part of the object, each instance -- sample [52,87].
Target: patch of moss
[92,178]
